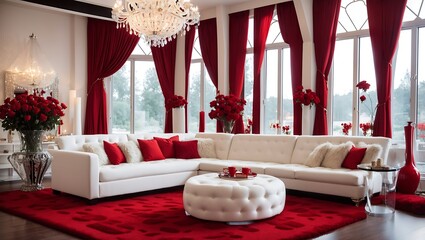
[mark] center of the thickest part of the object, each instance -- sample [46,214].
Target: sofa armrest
[75,173]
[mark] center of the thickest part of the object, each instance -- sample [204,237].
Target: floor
[399,226]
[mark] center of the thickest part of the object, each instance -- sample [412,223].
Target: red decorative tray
[238,175]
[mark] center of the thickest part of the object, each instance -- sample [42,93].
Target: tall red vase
[409,176]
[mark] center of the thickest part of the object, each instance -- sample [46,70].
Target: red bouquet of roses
[226,108]
[306,96]
[175,102]
[346,127]
[31,112]
[365,127]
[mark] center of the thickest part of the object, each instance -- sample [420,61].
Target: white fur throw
[316,157]
[373,151]
[206,148]
[131,151]
[336,155]
[97,148]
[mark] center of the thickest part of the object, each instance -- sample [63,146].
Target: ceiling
[202,4]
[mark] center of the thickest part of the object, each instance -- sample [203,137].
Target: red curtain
[385,20]
[291,33]
[188,47]
[108,48]
[165,62]
[262,19]
[324,34]
[238,36]
[207,32]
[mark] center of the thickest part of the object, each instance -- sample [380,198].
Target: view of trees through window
[353,62]
[137,102]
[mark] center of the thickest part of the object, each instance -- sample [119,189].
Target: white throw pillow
[336,154]
[316,157]
[131,151]
[97,148]
[373,151]
[206,148]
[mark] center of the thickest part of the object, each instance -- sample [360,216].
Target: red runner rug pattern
[160,215]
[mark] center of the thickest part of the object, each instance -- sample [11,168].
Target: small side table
[389,181]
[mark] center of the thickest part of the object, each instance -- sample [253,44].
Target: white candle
[77,123]
[71,108]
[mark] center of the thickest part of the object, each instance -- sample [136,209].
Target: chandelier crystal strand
[156,21]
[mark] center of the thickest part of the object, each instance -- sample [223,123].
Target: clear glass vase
[31,163]
[227,126]
[31,140]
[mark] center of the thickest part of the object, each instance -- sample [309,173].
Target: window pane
[421,90]
[367,72]
[120,105]
[196,52]
[248,86]
[209,95]
[271,88]
[288,108]
[401,93]
[274,35]
[342,100]
[194,97]
[148,99]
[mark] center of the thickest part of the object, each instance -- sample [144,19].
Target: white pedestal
[178,120]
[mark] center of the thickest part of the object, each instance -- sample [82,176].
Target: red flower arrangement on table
[31,112]
[285,128]
[248,126]
[421,129]
[346,128]
[364,86]
[175,102]
[227,109]
[306,97]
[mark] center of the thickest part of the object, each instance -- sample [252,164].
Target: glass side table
[388,191]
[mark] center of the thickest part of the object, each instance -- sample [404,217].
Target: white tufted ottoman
[212,198]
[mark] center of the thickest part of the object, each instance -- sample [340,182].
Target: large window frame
[414,27]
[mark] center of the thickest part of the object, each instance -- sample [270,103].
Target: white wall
[62,38]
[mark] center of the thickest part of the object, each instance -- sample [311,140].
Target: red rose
[43,117]
[363,85]
[362,98]
[27,117]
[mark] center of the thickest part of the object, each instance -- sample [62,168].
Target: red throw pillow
[115,155]
[166,145]
[150,150]
[186,149]
[354,157]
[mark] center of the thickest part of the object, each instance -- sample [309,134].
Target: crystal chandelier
[31,69]
[157,21]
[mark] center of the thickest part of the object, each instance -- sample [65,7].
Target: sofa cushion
[316,157]
[336,155]
[150,150]
[186,149]
[97,148]
[131,151]
[214,165]
[222,142]
[373,151]
[142,169]
[206,148]
[354,158]
[262,148]
[335,176]
[166,145]
[284,170]
[114,153]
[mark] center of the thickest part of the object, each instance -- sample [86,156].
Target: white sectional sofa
[79,173]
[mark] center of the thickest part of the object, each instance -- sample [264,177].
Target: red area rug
[406,202]
[161,216]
